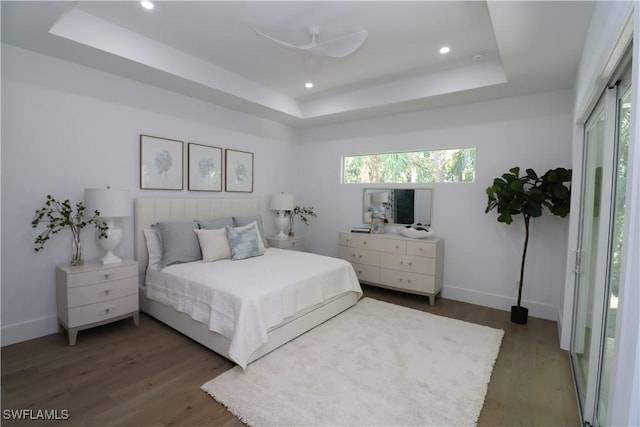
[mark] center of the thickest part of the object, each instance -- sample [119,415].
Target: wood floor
[150,375]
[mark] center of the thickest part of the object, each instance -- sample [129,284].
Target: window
[454,165]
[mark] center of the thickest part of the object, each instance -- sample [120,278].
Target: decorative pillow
[214,244]
[154,248]
[245,220]
[215,224]
[254,225]
[243,243]
[179,242]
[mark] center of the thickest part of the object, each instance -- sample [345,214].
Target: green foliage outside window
[455,165]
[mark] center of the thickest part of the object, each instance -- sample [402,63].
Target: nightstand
[291,243]
[94,294]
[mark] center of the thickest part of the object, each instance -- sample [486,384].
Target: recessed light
[147,4]
[478,56]
[444,49]
[308,85]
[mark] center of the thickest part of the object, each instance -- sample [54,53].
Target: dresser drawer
[83,315]
[413,264]
[367,273]
[410,281]
[426,249]
[349,239]
[83,295]
[360,256]
[101,275]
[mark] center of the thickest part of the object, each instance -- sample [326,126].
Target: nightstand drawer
[83,295]
[100,275]
[91,313]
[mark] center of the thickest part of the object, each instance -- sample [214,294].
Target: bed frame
[151,210]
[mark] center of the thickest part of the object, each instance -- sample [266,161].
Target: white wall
[68,127]
[482,256]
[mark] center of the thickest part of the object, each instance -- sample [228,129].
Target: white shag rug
[376,364]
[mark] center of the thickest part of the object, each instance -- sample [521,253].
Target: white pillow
[154,247]
[261,246]
[214,244]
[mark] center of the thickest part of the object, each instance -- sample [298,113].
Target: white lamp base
[110,258]
[114,237]
[281,222]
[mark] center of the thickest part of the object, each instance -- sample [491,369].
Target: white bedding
[242,300]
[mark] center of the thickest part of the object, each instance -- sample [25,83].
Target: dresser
[291,243]
[395,262]
[93,294]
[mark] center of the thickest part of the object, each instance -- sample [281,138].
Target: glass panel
[590,222]
[455,165]
[624,119]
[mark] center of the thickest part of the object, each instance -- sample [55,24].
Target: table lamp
[111,204]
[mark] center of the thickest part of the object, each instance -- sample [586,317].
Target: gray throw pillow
[215,224]
[245,220]
[179,242]
[243,244]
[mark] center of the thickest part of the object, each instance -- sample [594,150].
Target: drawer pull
[359,271]
[293,243]
[397,247]
[107,291]
[364,243]
[106,276]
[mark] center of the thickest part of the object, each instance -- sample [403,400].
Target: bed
[265,301]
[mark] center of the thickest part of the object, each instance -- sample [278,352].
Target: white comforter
[242,300]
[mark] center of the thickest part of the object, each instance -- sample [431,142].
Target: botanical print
[163,162]
[239,171]
[160,163]
[205,168]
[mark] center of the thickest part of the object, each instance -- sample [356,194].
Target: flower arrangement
[303,212]
[60,215]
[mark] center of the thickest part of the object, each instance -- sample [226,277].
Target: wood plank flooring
[119,375]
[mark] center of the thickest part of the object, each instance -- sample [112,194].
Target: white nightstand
[93,294]
[291,243]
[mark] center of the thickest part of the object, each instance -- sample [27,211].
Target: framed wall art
[205,167]
[161,163]
[238,171]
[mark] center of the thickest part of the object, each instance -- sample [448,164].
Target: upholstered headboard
[151,210]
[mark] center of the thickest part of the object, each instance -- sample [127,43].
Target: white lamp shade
[110,203]
[281,202]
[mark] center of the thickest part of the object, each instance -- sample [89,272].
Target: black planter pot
[519,314]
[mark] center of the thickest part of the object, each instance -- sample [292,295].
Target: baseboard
[28,330]
[500,302]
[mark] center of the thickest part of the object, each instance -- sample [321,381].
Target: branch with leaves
[59,215]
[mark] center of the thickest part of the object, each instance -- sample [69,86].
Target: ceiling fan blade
[289,45]
[340,46]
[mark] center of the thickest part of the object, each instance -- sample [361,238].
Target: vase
[76,248]
[291,232]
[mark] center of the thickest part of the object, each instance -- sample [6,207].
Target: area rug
[376,364]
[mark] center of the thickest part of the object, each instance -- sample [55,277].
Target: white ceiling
[210,50]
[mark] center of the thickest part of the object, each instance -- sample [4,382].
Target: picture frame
[377,226]
[161,163]
[204,166]
[238,171]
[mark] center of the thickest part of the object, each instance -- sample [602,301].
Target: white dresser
[93,294]
[395,262]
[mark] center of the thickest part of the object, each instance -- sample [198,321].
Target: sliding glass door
[600,248]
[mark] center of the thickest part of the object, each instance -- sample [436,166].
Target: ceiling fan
[338,47]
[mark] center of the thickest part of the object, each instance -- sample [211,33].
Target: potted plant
[60,215]
[303,212]
[527,195]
